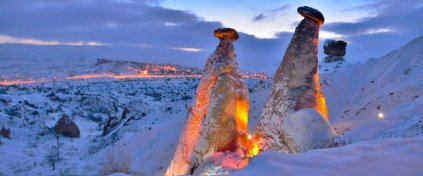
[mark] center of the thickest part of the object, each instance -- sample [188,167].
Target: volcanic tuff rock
[5,132]
[335,50]
[308,129]
[295,86]
[311,13]
[67,127]
[217,119]
[335,47]
[99,104]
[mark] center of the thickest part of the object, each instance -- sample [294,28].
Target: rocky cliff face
[295,86]
[217,120]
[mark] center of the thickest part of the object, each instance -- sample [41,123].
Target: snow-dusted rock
[295,86]
[134,111]
[67,127]
[111,123]
[217,120]
[137,108]
[99,104]
[308,129]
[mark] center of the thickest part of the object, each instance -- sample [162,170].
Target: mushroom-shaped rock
[217,119]
[295,85]
[67,127]
[312,13]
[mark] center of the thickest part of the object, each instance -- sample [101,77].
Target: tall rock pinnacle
[217,119]
[295,86]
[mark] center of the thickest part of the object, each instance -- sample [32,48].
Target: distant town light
[380,115]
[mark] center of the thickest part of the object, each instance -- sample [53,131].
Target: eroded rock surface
[217,120]
[295,86]
[67,127]
[308,129]
[335,49]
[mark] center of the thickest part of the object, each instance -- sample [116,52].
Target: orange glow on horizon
[169,68]
[94,76]
[140,75]
[129,76]
[17,82]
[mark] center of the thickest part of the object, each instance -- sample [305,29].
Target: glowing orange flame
[321,102]
[241,113]
[254,150]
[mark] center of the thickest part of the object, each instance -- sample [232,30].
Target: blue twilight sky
[181,31]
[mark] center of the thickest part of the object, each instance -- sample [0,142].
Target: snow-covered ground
[376,157]
[376,107]
[31,111]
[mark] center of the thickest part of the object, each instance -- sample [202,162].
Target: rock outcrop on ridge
[217,119]
[295,86]
[335,49]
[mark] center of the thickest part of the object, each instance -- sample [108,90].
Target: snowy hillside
[157,109]
[60,68]
[370,105]
[386,93]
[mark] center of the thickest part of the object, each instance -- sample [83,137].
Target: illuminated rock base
[217,120]
[295,86]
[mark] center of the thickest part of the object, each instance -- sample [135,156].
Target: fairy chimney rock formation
[217,119]
[295,86]
[335,49]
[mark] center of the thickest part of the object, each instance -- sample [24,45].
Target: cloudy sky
[181,31]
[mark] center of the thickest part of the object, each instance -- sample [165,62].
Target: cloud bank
[142,30]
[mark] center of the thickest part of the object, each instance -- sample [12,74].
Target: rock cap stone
[309,12]
[229,33]
[335,47]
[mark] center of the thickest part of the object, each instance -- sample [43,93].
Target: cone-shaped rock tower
[295,86]
[217,119]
